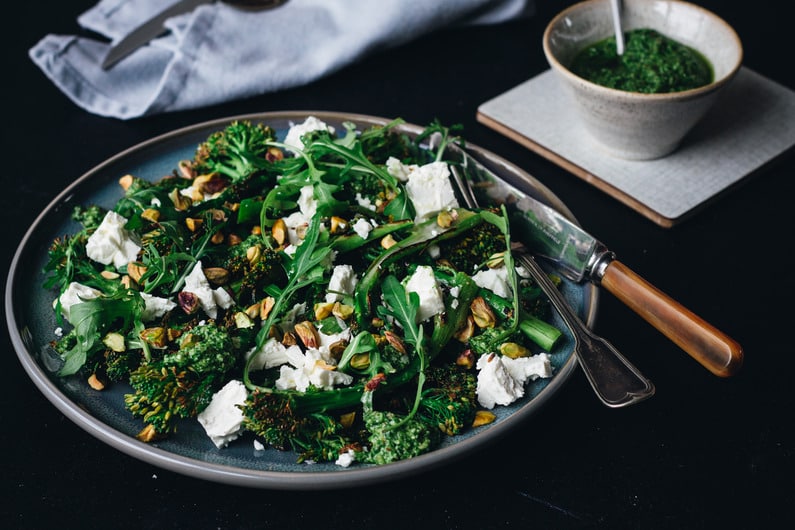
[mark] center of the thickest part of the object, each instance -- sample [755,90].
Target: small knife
[154,27]
[580,256]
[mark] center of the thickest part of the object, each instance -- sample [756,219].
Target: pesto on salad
[324,294]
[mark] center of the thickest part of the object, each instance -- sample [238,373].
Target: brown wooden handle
[712,348]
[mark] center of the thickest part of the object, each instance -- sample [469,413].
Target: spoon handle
[615,8]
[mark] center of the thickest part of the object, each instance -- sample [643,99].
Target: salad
[324,293]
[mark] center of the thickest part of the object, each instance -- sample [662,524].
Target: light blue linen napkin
[217,53]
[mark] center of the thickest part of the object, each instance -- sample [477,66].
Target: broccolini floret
[88,216]
[163,394]
[471,250]
[204,349]
[253,266]
[450,399]
[274,419]
[119,365]
[237,151]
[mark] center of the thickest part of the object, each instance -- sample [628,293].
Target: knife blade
[147,31]
[580,256]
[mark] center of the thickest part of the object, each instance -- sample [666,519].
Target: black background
[703,452]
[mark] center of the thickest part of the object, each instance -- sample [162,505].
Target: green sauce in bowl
[652,63]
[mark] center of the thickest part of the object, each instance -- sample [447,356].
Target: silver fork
[615,380]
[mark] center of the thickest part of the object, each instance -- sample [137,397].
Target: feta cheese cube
[297,131]
[495,385]
[294,221]
[307,203]
[423,282]
[347,458]
[430,190]
[495,280]
[362,227]
[273,353]
[314,367]
[501,380]
[75,293]
[209,299]
[222,419]
[398,169]
[112,243]
[155,307]
[343,281]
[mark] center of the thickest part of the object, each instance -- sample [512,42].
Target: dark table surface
[704,451]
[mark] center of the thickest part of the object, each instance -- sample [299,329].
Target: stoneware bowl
[634,125]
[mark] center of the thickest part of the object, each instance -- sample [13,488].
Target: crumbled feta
[314,367]
[398,169]
[209,299]
[273,353]
[287,322]
[58,331]
[197,195]
[347,458]
[362,227]
[525,369]
[434,251]
[430,190]
[259,446]
[112,243]
[501,380]
[155,307]
[222,298]
[495,280]
[295,133]
[222,419]
[75,293]
[343,281]
[423,282]
[294,222]
[327,340]
[307,202]
[365,202]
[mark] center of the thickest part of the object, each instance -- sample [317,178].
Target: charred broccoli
[450,401]
[471,250]
[273,418]
[204,349]
[237,151]
[163,394]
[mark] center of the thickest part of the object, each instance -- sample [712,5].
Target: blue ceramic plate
[32,325]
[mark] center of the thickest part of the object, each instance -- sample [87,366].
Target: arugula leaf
[403,307]
[400,207]
[93,318]
[301,271]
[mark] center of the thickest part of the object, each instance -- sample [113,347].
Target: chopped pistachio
[483,417]
[482,313]
[114,341]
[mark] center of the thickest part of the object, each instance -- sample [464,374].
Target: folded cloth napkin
[218,53]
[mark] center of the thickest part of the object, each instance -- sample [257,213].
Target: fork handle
[716,351]
[615,380]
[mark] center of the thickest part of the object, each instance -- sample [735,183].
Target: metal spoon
[615,8]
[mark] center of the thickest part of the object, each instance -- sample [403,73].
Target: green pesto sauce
[652,63]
